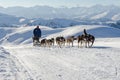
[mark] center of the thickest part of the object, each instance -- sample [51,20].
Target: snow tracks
[10,67]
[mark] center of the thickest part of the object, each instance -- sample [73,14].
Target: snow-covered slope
[9,20]
[116,17]
[26,62]
[99,16]
[24,34]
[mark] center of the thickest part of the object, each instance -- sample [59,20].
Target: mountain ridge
[47,12]
[60,17]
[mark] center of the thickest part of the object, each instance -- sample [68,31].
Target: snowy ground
[27,62]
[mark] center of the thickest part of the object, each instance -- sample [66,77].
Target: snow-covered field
[19,60]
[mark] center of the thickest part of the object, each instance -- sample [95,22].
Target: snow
[19,60]
[22,20]
[98,16]
[31,21]
[116,17]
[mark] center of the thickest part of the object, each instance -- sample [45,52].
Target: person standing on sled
[85,33]
[37,33]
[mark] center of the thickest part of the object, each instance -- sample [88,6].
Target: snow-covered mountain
[46,12]
[60,17]
[9,20]
[12,21]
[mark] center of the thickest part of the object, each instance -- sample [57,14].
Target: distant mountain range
[59,17]
[87,13]
[12,21]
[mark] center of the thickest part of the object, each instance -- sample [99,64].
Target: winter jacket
[37,32]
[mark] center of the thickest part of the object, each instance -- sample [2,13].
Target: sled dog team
[84,40]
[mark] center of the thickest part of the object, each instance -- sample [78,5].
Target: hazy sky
[57,3]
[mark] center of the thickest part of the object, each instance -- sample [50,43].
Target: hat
[37,26]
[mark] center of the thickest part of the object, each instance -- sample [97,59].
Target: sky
[57,3]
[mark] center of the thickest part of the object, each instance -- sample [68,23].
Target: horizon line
[60,6]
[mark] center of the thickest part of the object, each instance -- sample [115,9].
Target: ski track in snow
[11,68]
[76,64]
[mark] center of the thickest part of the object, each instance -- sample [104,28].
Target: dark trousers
[35,38]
